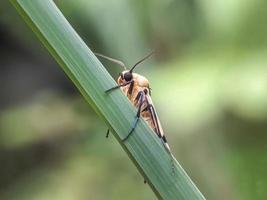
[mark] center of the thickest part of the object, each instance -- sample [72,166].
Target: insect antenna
[146,57]
[118,62]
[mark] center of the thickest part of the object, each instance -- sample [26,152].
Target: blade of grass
[91,78]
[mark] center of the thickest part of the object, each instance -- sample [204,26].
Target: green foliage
[91,78]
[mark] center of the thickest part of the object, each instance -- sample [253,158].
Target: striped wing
[156,123]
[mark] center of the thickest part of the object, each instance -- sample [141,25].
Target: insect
[136,88]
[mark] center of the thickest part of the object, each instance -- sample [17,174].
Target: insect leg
[107,134]
[118,86]
[130,90]
[141,97]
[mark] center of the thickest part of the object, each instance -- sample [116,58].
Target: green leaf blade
[92,79]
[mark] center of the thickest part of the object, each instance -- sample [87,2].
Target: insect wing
[157,125]
[154,115]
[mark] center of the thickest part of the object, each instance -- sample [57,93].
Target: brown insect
[136,88]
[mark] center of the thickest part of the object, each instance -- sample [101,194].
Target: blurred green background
[209,81]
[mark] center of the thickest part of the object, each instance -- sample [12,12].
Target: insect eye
[128,76]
